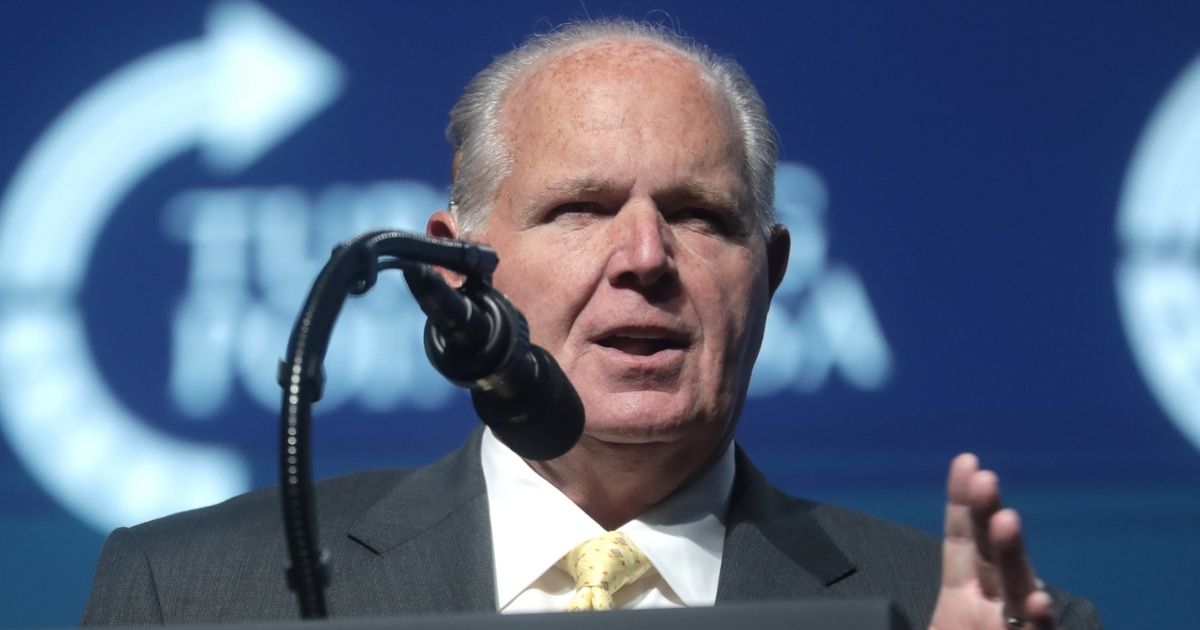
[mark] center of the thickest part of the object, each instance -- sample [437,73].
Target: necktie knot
[601,567]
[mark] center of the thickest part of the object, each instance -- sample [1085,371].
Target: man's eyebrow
[698,190]
[690,191]
[583,185]
[726,203]
[568,189]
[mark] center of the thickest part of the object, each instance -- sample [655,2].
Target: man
[624,176]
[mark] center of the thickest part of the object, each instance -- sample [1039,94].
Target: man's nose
[643,253]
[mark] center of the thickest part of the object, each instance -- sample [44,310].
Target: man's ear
[779,246]
[441,224]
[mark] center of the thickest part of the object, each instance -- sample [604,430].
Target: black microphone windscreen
[542,426]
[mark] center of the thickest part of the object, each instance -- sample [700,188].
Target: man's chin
[640,430]
[649,443]
[628,437]
[646,417]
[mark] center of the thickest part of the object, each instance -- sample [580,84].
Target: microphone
[478,340]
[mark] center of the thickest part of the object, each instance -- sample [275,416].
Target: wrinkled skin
[624,238]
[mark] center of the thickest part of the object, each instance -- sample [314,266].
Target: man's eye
[703,217]
[574,210]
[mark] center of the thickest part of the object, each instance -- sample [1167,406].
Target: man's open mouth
[642,344]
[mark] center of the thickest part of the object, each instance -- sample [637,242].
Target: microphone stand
[352,269]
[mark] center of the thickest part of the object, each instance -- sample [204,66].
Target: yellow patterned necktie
[601,567]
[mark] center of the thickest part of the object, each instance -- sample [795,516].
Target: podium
[824,614]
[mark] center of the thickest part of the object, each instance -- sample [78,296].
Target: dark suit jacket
[417,541]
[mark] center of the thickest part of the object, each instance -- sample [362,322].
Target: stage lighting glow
[1158,275]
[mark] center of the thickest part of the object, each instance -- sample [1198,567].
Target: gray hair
[482,160]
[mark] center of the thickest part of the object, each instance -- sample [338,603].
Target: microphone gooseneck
[476,338]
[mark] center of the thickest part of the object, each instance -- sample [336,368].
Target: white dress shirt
[534,525]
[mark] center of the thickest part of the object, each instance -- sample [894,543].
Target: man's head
[613,180]
[482,152]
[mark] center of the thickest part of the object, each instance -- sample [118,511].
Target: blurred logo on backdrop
[252,253]
[233,94]
[821,320]
[1158,274]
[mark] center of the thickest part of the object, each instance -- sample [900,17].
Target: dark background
[974,155]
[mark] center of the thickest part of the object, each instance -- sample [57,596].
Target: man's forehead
[630,59]
[586,121]
[587,89]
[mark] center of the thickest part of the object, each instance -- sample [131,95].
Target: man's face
[624,238]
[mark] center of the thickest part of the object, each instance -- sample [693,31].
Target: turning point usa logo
[232,94]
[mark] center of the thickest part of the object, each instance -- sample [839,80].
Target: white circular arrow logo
[234,94]
[1158,276]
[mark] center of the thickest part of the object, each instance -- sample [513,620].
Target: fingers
[1038,613]
[983,545]
[1039,610]
[1022,591]
[973,498]
[958,494]
[984,489]
[958,549]
[984,498]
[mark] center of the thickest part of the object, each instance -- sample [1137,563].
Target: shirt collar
[534,525]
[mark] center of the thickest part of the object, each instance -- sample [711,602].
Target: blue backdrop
[996,210]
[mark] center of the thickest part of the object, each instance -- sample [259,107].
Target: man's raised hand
[988,582]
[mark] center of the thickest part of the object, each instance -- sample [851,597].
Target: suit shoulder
[852,529]
[219,563]
[859,527]
[339,501]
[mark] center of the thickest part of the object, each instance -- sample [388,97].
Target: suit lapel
[774,547]
[425,547]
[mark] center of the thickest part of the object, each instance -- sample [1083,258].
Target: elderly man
[624,175]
